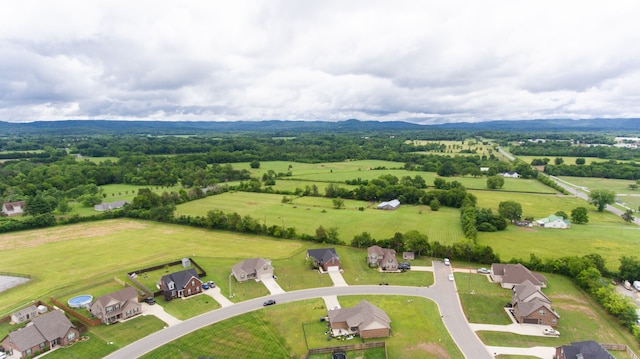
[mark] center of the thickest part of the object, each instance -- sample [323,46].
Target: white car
[553,332]
[446,262]
[451,277]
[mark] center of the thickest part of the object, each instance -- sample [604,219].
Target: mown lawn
[105,339]
[306,214]
[482,300]
[277,332]
[185,308]
[612,184]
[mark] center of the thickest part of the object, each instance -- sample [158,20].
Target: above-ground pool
[80,301]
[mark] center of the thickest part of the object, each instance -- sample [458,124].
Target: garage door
[530,321]
[333,269]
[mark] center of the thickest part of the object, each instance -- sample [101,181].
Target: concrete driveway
[218,297]
[272,285]
[422,269]
[159,312]
[331,302]
[338,280]
[540,352]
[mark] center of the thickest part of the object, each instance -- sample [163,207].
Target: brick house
[532,306]
[324,258]
[365,319]
[589,349]
[384,258]
[181,284]
[43,333]
[253,268]
[509,275]
[116,306]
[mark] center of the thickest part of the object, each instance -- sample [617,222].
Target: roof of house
[362,315]
[181,278]
[10,206]
[517,273]
[393,204]
[526,308]
[105,206]
[250,265]
[525,289]
[120,296]
[589,349]
[28,310]
[552,218]
[323,254]
[46,327]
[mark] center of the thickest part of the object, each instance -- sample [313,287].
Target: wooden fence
[620,347]
[73,313]
[345,348]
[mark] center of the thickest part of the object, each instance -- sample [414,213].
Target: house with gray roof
[325,259]
[116,306]
[383,258]
[365,319]
[389,205]
[181,284]
[42,333]
[532,306]
[588,349]
[253,268]
[509,275]
[108,206]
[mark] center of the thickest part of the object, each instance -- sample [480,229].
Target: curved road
[443,293]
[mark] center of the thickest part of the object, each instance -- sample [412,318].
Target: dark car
[339,355]
[404,265]
[205,286]
[269,302]
[149,300]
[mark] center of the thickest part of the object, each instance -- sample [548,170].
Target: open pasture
[306,169]
[619,186]
[567,160]
[306,214]
[63,259]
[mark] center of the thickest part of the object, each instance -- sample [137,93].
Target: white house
[13,208]
[391,205]
[510,174]
[554,222]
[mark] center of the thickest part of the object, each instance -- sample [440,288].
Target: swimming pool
[80,301]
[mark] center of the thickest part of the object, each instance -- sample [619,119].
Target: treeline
[568,148]
[608,169]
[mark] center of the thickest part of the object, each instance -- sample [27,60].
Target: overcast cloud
[417,61]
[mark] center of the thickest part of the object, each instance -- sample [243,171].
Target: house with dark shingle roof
[13,208]
[116,306]
[43,333]
[181,284]
[252,268]
[589,349]
[365,319]
[531,306]
[509,275]
[324,258]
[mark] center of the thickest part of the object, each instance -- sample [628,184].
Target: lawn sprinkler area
[80,301]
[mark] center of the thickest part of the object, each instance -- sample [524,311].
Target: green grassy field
[568,160]
[616,185]
[276,332]
[306,214]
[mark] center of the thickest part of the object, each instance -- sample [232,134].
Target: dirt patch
[577,308]
[430,350]
[34,238]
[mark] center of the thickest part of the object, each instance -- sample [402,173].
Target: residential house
[589,349]
[108,206]
[13,208]
[24,315]
[509,275]
[510,174]
[408,256]
[365,319]
[253,268]
[391,205]
[384,258]
[325,259]
[181,284]
[531,306]
[554,221]
[116,306]
[45,332]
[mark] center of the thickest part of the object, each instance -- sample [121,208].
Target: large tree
[495,182]
[580,215]
[629,268]
[601,198]
[510,210]
[628,216]
[416,242]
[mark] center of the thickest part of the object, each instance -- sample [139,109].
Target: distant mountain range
[621,127]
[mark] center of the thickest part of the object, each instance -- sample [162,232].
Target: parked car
[636,284]
[548,331]
[149,300]
[205,286]
[451,277]
[483,271]
[446,262]
[211,284]
[269,302]
[404,265]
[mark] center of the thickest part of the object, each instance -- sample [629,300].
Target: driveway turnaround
[272,286]
[443,293]
[338,280]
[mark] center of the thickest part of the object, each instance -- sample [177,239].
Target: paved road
[443,292]
[574,191]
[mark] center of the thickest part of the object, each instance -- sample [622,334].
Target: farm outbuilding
[390,205]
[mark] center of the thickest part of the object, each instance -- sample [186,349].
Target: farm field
[265,330]
[616,185]
[568,160]
[306,214]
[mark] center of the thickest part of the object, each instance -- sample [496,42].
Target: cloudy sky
[418,61]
